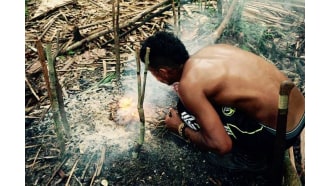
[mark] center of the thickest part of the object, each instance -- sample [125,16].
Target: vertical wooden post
[115,16]
[276,174]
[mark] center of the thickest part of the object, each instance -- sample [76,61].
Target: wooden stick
[141,99]
[57,169]
[167,7]
[145,75]
[71,172]
[276,174]
[54,100]
[35,158]
[86,168]
[53,9]
[217,33]
[117,51]
[101,161]
[31,88]
[174,18]
[48,25]
[42,60]
[104,63]
[94,175]
[108,30]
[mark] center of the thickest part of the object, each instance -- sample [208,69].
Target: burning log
[141,98]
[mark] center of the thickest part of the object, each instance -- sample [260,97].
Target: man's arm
[212,135]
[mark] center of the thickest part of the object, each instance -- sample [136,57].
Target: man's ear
[163,72]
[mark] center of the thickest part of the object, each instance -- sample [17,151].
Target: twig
[35,158]
[186,8]
[101,161]
[48,25]
[94,175]
[86,168]
[104,68]
[72,170]
[57,169]
[53,9]
[31,88]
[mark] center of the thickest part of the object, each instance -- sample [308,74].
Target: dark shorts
[245,132]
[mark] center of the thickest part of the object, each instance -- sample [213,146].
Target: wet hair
[166,50]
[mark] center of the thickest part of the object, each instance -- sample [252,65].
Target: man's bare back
[233,77]
[221,76]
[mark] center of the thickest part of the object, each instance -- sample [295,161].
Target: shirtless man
[230,95]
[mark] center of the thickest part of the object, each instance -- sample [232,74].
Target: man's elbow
[222,147]
[225,147]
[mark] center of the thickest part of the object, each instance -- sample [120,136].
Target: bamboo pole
[141,91]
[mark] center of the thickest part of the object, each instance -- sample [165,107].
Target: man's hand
[172,120]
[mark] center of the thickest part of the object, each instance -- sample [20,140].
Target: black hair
[165,50]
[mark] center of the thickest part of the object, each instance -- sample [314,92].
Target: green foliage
[108,78]
[26,9]
[71,53]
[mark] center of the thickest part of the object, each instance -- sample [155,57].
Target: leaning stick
[57,169]
[71,172]
[217,33]
[54,99]
[279,146]
[82,178]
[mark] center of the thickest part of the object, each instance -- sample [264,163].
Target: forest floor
[103,117]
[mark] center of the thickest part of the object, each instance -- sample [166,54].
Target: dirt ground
[105,124]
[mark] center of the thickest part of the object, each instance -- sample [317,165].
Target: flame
[125,102]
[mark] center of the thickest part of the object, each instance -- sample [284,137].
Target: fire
[125,102]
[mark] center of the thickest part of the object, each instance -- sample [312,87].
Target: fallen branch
[74,2]
[108,30]
[217,33]
[136,26]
